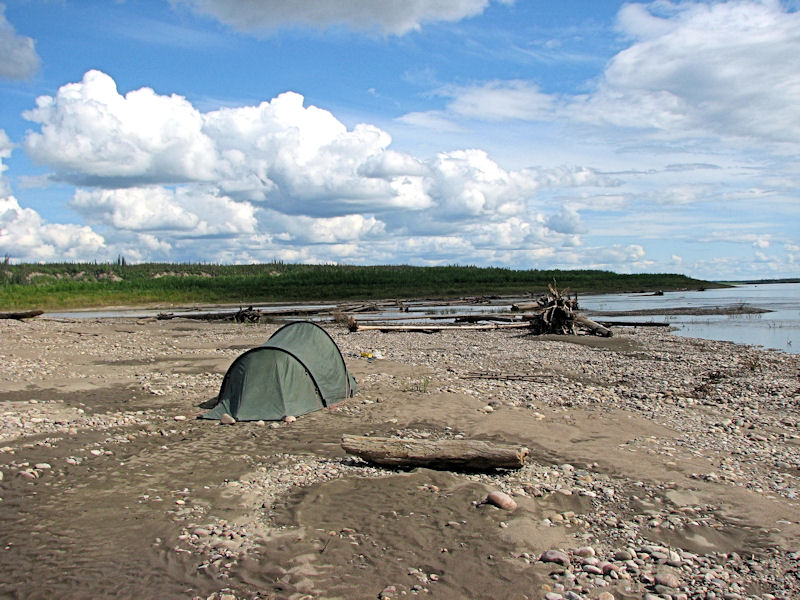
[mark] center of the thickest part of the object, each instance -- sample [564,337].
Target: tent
[298,370]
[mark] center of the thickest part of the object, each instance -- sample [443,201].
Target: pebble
[226,419]
[668,580]
[501,500]
[289,419]
[555,556]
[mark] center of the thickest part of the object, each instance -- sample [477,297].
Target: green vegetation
[80,285]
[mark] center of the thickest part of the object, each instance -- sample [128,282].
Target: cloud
[566,221]
[5,151]
[278,176]
[432,120]
[501,101]
[24,236]
[389,16]
[18,57]
[704,69]
[190,211]
[333,230]
[92,134]
[691,70]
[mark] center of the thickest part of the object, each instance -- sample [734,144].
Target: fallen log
[633,324]
[448,455]
[19,316]
[595,328]
[354,325]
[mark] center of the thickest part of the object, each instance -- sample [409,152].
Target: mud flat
[660,468]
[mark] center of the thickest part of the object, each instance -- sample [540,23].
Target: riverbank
[659,465]
[73,285]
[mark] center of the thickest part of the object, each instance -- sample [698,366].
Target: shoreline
[655,459]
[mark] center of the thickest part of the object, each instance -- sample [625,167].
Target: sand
[660,467]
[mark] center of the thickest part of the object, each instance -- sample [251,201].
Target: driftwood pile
[557,313]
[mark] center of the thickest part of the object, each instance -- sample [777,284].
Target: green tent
[298,370]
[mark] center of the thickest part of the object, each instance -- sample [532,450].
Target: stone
[226,419]
[289,419]
[554,556]
[623,555]
[501,500]
[179,417]
[605,596]
[586,551]
[669,580]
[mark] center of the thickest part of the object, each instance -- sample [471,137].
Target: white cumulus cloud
[24,236]
[189,211]
[284,180]
[18,57]
[92,134]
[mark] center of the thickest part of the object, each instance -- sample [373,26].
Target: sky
[629,136]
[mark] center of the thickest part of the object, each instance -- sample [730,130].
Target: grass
[82,285]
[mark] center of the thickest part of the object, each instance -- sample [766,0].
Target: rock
[501,500]
[623,555]
[593,570]
[668,580]
[606,596]
[289,419]
[43,466]
[553,596]
[179,417]
[226,419]
[554,556]
[388,593]
[586,551]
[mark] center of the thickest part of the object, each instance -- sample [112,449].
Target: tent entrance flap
[298,370]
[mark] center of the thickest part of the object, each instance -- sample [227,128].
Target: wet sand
[655,460]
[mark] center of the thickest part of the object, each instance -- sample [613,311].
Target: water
[779,329]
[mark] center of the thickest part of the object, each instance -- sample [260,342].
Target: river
[778,329]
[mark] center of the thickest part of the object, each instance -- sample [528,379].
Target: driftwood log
[354,325]
[592,326]
[448,455]
[28,314]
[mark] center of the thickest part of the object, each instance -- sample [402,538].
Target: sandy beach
[660,468]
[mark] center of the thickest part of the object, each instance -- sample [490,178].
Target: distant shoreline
[66,286]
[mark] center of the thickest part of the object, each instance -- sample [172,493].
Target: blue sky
[635,137]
